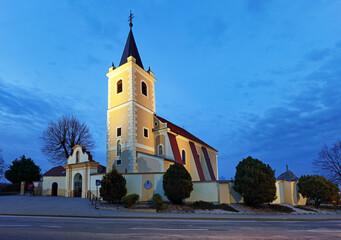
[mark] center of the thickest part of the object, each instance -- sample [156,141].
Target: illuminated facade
[140,141]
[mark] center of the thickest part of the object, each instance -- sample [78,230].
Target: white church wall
[134,184]
[47,185]
[92,185]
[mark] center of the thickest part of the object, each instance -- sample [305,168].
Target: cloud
[295,132]
[318,55]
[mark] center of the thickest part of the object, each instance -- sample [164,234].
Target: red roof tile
[183,132]
[101,169]
[60,171]
[55,172]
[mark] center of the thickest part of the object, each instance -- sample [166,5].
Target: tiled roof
[101,169]
[287,176]
[178,130]
[60,171]
[55,172]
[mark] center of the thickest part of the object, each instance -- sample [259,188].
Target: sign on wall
[98,182]
[148,184]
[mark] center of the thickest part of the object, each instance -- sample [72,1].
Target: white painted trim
[144,108]
[116,86]
[147,132]
[142,81]
[139,145]
[121,132]
[119,106]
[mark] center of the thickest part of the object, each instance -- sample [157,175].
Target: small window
[144,88]
[160,150]
[77,157]
[145,132]
[118,148]
[183,156]
[118,162]
[119,86]
[118,132]
[156,123]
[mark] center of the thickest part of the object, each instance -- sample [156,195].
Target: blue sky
[259,78]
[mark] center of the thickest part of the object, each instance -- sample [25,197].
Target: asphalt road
[13,227]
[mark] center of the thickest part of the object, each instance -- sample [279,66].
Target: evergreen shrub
[157,202]
[177,183]
[130,200]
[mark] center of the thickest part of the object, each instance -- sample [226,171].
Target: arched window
[77,157]
[160,150]
[144,88]
[119,86]
[118,148]
[183,156]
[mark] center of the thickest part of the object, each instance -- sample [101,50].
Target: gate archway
[77,185]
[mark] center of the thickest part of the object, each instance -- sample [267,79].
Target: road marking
[172,229]
[50,226]
[15,225]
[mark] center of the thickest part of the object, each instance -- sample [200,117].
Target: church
[142,145]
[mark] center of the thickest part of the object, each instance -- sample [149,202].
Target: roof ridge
[185,132]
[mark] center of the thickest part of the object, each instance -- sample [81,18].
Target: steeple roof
[130,49]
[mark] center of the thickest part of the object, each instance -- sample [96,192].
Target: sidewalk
[77,207]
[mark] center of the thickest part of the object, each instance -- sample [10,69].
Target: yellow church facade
[140,141]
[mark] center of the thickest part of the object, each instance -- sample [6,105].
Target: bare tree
[329,162]
[60,137]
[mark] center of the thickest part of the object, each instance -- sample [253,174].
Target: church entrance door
[77,185]
[54,189]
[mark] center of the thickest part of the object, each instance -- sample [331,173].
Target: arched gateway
[77,185]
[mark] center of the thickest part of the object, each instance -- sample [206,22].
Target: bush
[255,182]
[204,205]
[317,188]
[130,200]
[280,208]
[177,183]
[113,187]
[157,202]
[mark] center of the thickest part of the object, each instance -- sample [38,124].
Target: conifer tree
[113,186]
[255,181]
[177,183]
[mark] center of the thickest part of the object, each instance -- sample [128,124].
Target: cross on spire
[130,19]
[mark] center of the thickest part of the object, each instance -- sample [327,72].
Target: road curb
[180,218]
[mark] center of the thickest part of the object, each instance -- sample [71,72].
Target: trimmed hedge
[157,202]
[130,200]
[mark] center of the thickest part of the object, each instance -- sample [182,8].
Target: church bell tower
[131,107]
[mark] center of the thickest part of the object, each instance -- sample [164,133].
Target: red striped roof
[178,130]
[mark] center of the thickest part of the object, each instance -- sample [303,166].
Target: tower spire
[130,48]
